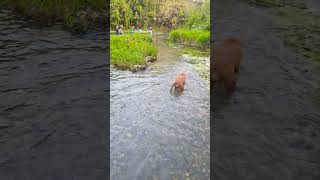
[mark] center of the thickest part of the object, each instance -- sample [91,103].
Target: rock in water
[139,68]
[150,59]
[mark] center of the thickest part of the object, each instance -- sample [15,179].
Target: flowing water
[269,128]
[53,91]
[153,134]
[314,6]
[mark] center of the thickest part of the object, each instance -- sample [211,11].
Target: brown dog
[227,58]
[179,83]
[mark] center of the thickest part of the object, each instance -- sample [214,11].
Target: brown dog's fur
[179,83]
[227,58]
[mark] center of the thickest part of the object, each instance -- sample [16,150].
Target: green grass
[51,10]
[193,52]
[196,44]
[199,38]
[129,50]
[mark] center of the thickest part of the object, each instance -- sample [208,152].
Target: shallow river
[153,134]
[53,108]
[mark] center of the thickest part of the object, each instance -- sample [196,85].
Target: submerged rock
[139,68]
[150,59]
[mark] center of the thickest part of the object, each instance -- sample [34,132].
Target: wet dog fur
[226,63]
[179,83]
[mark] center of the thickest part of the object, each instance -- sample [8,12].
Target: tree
[168,13]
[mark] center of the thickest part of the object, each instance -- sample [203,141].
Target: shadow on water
[220,97]
[176,93]
[153,133]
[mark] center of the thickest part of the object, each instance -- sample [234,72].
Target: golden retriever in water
[179,83]
[227,58]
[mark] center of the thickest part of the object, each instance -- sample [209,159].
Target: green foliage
[193,52]
[190,36]
[131,49]
[166,13]
[132,12]
[199,18]
[196,29]
[53,9]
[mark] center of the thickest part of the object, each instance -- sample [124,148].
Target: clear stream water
[153,134]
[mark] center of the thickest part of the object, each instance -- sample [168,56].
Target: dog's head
[184,73]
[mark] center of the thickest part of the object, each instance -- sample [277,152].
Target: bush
[187,36]
[199,18]
[129,50]
[51,10]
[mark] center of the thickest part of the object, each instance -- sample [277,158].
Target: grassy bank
[298,27]
[194,52]
[67,11]
[189,37]
[194,33]
[196,48]
[127,51]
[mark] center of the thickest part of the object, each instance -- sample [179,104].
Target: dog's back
[179,82]
[229,51]
[227,58]
[181,77]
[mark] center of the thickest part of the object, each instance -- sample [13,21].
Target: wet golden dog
[226,62]
[179,83]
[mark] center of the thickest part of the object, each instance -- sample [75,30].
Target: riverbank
[76,15]
[194,47]
[298,26]
[190,37]
[201,64]
[132,51]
